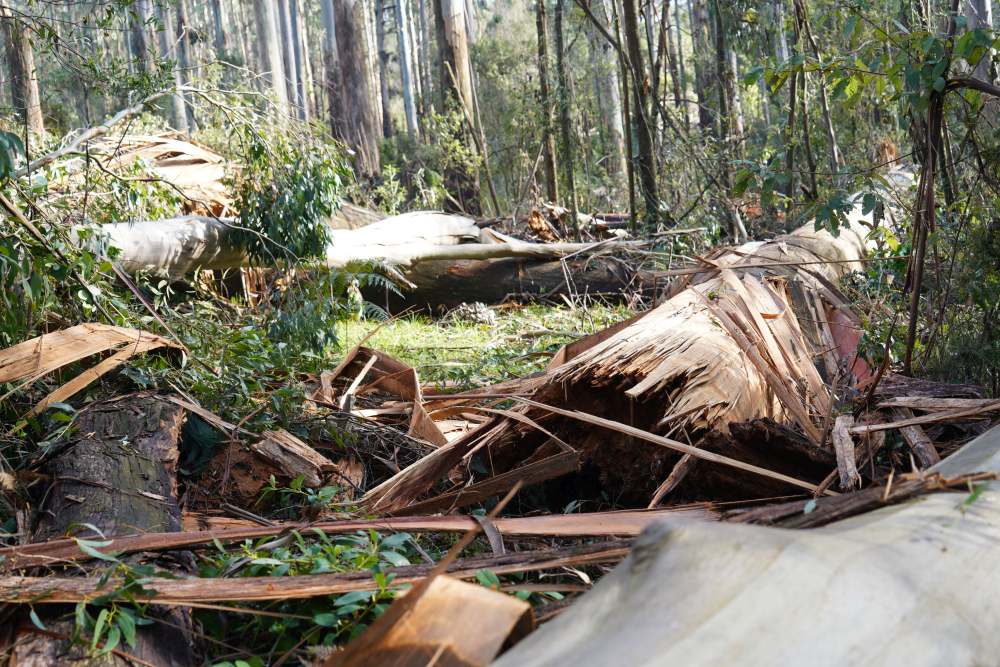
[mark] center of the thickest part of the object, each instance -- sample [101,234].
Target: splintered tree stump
[117,472]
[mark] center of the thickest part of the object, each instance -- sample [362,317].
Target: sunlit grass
[467,354]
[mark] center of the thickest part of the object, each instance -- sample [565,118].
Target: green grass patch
[462,354]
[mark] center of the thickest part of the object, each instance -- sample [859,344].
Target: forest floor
[467,349]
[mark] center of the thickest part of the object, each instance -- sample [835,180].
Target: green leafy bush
[288,187]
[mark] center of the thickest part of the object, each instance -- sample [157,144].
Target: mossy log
[115,473]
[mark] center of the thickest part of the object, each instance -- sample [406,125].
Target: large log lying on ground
[447,259]
[117,476]
[913,584]
[447,284]
[177,246]
[741,341]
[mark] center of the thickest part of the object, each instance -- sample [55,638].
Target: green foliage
[296,499]
[10,147]
[324,620]
[38,279]
[289,185]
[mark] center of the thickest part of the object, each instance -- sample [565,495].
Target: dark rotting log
[117,473]
[446,284]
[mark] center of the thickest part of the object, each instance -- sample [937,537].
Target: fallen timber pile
[725,391]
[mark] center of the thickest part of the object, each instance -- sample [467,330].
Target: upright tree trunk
[807,140]
[269,49]
[299,60]
[244,32]
[565,119]
[765,104]
[721,78]
[416,55]
[288,55]
[353,114]
[545,102]
[406,69]
[184,60]
[23,77]
[167,50]
[309,90]
[732,82]
[614,19]
[783,52]
[456,91]
[220,40]
[680,60]
[142,47]
[425,59]
[675,77]
[792,107]
[802,16]
[699,42]
[331,68]
[603,63]
[641,114]
[383,66]
[979,14]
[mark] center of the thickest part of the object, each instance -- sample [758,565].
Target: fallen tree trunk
[761,333]
[117,477]
[177,246]
[447,284]
[912,584]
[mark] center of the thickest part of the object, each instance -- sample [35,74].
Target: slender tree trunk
[765,104]
[288,54]
[168,50]
[300,60]
[647,10]
[680,61]
[642,117]
[545,102]
[806,138]
[732,78]
[331,68]
[425,59]
[675,77]
[456,89]
[184,60]
[244,32]
[23,77]
[824,104]
[416,54]
[142,48]
[700,41]
[721,79]
[269,48]
[219,37]
[565,119]
[607,91]
[792,107]
[406,70]
[623,76]
[383,66]
[783,52]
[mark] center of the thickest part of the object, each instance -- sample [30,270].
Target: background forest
[689,123]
